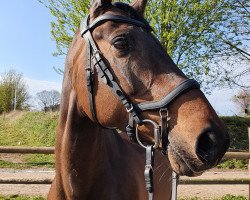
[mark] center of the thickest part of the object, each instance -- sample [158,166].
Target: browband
[85,27]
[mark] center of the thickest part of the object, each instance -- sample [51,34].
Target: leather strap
[185,86]
[115,18]
[106,76]
[131,129]
[94,59]
[148,173]
[164,130]
[90,82]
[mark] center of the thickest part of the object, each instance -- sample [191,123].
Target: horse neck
[78,131]
[88,155]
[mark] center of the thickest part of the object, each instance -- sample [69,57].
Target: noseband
[94,59]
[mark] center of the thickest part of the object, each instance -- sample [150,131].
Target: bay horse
[119,77]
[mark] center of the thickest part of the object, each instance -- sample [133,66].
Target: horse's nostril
[208,147]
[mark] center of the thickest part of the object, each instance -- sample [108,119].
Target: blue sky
[26,46]
[25,41]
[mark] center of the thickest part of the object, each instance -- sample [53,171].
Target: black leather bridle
[95,60]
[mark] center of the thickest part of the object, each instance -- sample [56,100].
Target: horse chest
[110,180]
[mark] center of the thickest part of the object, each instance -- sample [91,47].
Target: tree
[3,102]
[49,100]
[13,92]
[208,40]
[242,99]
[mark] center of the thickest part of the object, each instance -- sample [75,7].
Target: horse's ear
[140,6]
[98,7]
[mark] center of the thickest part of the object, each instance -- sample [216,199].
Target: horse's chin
[181,166]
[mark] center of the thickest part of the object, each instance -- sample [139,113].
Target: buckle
[97,52]
[97,57]
[163,112]
[130,109]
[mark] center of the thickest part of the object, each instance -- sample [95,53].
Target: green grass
[226,197]
[28,129]
[40,161]
[39,128]
[238,131]
[232,197]
[30,161]
[17,197]
[233,164]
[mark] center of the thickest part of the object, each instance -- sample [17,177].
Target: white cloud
[35,86]
[221,101]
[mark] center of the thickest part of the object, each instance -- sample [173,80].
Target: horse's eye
[121,44]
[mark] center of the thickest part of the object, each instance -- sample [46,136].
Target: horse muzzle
[193,160]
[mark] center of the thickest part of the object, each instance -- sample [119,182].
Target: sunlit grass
[30,161]
[226,197]
[17,197]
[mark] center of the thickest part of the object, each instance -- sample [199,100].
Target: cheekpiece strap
[104,73]
[131,130]
[148,173]
[164,130]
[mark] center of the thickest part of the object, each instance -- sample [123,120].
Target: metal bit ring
[157,136]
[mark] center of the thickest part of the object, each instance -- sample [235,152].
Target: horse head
[145,73]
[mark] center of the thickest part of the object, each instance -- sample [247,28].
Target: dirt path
[27,190]
[209,191]
[202,191]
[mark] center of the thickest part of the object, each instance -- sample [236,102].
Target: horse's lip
[177,156]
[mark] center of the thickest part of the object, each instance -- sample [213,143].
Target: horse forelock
[124,7]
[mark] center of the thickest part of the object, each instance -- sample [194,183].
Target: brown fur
[96,163]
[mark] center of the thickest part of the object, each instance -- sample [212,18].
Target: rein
[95,60]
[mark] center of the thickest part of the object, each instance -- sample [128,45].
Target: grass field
[16,197]
[28,129]
[227,197]
[39,128]
[29,161]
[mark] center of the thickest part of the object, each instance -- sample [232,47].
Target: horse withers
[118,76]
